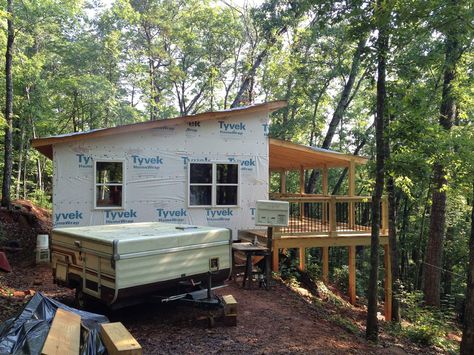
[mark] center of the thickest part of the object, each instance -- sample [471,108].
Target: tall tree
[447,112]
[348,92]
[467,343]
[382,15]
[8,143]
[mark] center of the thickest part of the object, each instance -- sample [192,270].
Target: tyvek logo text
[221,214]
[112,217]
[186,160]
[252,212]
[67,218]
[84,161]
[232,128]
[141,162]
[245,164]
[193,127]
[167,215]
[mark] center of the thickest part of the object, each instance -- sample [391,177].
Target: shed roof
[286,155]
[45,145]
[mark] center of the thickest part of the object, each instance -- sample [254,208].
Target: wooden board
[230,305]
[64,337]
[118,340]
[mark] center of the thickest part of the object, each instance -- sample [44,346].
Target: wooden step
[64,337]
[118,340]
[230,305]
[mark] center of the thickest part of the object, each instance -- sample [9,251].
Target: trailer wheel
[80,298]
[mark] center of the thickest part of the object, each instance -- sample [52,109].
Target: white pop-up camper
[120,264]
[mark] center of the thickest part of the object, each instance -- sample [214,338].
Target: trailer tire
[80,299]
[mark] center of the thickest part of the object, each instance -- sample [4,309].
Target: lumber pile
[118,340]
[64,337]
[230,310]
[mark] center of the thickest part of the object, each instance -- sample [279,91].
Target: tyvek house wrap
[156,189]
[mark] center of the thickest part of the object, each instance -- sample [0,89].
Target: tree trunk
[340,108]
[248,78]
[20,163]
[434,248]
[467,342]
[382,49]
[8,145]
[393,245]
[448,263]
[403,234]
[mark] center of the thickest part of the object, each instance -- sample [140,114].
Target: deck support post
[332,217]
[326,264]
[325,193]
[283,182]
[273,249]
[301,192]
[388,284]
[325,180]
[351,193]
[302,258]
[384,215]
[352,274]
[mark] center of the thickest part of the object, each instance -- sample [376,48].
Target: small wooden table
[250,249]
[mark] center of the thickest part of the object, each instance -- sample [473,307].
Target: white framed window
[109,177]
[213,184]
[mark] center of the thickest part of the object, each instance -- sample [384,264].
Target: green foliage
[426,326]
[42,199]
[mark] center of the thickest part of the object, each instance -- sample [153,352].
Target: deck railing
[320,215]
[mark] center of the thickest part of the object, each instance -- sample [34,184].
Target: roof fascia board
[330,155]
[141,126]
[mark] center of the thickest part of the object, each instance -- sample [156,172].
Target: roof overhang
[286,155]
[45,145]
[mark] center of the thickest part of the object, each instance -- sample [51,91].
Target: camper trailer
[123,264]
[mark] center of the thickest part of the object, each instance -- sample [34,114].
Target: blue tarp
[27,332]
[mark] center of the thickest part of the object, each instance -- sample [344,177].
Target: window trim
[213,184]
[122,207]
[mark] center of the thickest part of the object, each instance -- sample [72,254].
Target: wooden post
[352,274]
[325,193]
[352,178]
[388,284]
[332,217]
[351,193]
[325,180]
[301,192]
[326,264]
[283,182]
[273,247]
[302,258]
[384,215]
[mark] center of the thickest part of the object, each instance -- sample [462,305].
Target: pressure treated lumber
[388,284]
[352,274]
[326,264]
[302,258]
[118,340]
[64,337]
[230,305]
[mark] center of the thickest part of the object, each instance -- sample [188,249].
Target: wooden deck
[307,232]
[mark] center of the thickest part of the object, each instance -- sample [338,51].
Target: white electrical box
[272,213]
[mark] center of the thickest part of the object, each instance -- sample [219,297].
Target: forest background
[80,65]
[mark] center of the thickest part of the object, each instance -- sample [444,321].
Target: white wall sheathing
[156,177]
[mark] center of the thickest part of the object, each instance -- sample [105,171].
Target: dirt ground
[275,321]
[278,321]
